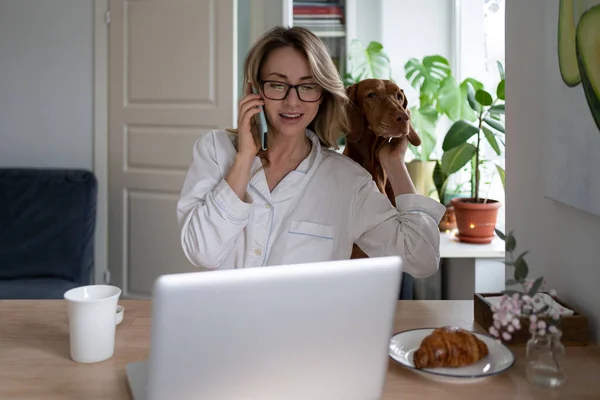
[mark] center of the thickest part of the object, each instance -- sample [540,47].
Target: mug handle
[119,314]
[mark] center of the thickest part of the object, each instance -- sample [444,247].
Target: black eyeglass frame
[289,88]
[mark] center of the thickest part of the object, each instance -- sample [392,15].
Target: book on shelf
[320,17]
[318,11]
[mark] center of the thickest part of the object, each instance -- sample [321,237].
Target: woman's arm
[410,230]
[210,211]
[399,178]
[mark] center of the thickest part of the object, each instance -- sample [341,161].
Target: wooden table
[35,363]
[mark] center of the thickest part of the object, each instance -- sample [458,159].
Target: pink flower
[510,328]
[494,331]
[532,327]
[517,323]
[541,324]
[506,336]
[553,329]
[533,318]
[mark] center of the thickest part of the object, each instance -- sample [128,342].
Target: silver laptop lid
[309,331]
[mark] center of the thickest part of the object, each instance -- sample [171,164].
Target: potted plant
[476,215]
[444,169]
[527,304]
[441,99]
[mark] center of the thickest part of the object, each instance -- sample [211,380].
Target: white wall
[563,241]
[46,59]
[415,29]
[368,21]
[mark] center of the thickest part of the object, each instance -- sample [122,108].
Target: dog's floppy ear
[355,115]
[413,136]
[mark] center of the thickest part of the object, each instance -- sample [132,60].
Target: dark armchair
[47,225]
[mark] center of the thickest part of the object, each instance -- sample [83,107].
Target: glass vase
[545,360]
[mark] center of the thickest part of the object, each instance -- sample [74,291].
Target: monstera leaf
[367,62]
[427,76]
[424,120]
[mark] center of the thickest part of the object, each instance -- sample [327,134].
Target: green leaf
[489,135]
[459,133]
[457,157]
[502,174]
[500,90]
[500,233]
[521,270]
[543,309]
[483,97]
[424,121]
[511,242]
[500,70]
[536,286]
[439,180]
[497,109]
[427,75]
[369,62]
[450,99]
[475,106]
[473,82]
[497,125]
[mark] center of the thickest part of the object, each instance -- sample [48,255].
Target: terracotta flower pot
[475,221]
[448,221]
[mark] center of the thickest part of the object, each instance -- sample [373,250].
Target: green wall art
[570,103]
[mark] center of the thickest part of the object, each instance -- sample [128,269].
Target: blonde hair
[331,121]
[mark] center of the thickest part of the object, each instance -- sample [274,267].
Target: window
[480,37]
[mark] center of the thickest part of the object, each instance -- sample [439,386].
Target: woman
[298,201]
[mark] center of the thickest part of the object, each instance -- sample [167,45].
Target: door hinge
[107,277]
[107,17]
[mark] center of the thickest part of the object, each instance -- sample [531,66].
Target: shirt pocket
[309,242]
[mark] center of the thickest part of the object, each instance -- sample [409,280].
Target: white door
[171,77]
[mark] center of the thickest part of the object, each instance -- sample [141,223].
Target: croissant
[449,347]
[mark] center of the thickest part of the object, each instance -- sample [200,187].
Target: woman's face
[290,116]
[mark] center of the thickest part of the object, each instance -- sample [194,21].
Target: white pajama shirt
[315,213]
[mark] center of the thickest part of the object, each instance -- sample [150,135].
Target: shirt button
[258,252]
[267,205]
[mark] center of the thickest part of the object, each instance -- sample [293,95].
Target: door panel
[171,77]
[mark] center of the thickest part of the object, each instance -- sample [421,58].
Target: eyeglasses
[307,92]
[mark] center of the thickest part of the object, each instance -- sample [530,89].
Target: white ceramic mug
[93,315]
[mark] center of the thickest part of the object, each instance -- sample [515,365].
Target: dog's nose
[401,117]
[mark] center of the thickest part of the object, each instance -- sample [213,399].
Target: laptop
[306,331]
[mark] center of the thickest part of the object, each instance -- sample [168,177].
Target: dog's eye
[371,95]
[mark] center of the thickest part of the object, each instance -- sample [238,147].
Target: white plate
[500,358]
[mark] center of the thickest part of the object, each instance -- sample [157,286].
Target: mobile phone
[262,124]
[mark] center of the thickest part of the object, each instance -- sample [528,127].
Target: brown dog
[379,114]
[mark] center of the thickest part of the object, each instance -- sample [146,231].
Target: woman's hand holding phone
[248,107]
[239,174]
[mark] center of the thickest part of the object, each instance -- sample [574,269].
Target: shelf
[329,34]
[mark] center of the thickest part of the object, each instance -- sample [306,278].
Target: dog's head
[381,107]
